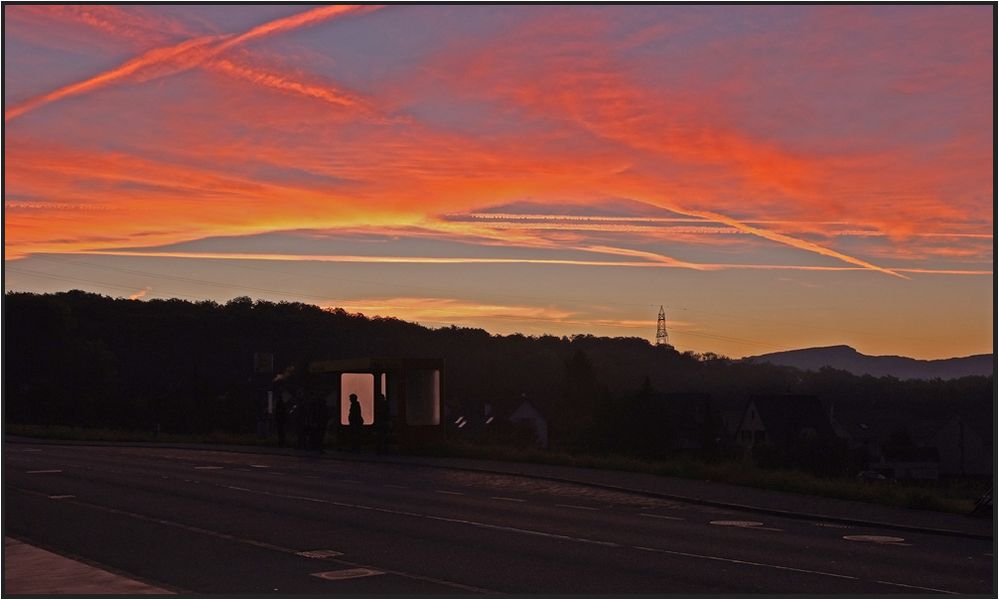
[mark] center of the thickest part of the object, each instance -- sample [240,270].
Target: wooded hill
[77,358]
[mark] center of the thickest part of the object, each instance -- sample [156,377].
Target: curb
[642,492]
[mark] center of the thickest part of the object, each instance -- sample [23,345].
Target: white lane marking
[877,539]
[507,499]
[208,468]
[41,471]
[742,562]
[346,574]
[64,497]
[661,517]
[260,544]
[449,492]
[319,553]
[260,466]
[548,535]
[236,487]
[32,450]
[831,525]
[577,507]
[745,524]
[917,587]
[407,513]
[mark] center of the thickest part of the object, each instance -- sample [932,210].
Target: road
[226,523]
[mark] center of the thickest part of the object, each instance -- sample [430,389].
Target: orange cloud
[141,293]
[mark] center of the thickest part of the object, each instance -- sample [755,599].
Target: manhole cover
[737,523]
[874,539]
[347,574]
[319,553]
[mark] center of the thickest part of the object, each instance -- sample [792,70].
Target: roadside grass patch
[956,497]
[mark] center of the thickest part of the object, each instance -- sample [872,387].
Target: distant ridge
[902,367]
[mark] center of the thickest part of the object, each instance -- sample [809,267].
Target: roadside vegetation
[956,496]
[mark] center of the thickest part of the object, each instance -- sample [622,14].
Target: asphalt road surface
[221,523]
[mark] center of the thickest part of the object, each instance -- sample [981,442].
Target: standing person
[382,422]
[280,417]
[321,420]
[356,421]
[301,410]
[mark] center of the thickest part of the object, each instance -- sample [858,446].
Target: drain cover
[347,574]
[319,553]
[737,523]
[874,539]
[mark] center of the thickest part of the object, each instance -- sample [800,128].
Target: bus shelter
[413,389]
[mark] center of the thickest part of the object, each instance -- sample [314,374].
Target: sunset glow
[775,176]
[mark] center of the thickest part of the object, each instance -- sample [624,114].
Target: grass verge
[947,497]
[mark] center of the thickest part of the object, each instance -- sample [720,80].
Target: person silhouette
[382,422]
[356,422]
[280,418]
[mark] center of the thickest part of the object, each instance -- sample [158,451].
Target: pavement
[708,493]
[31,571]
[214,521]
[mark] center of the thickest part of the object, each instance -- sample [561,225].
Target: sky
[776,177]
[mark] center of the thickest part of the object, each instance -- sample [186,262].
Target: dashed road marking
[877,539]
[346,574]
[449,492]
[745,524]
[63,497]
[831,525]
[577,507]
[209,468]
[42,471]
[236,487]
[754,525]
[917,587]
[507,499]
[262,544]
[32,450]
[260,466]
[661,517]
[319,553]
[743,562]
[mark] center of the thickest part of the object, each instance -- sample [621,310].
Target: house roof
[785,416]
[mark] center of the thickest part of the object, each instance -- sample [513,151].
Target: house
[501,420]
[908,463]
[962,450]
[693,423]
[528,414]
[782,419]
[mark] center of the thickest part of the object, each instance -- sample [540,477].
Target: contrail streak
[183,56]
[157,56]
[280,82]
[657,260]
[792,241]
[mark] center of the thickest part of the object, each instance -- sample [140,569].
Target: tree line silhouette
[81,359]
